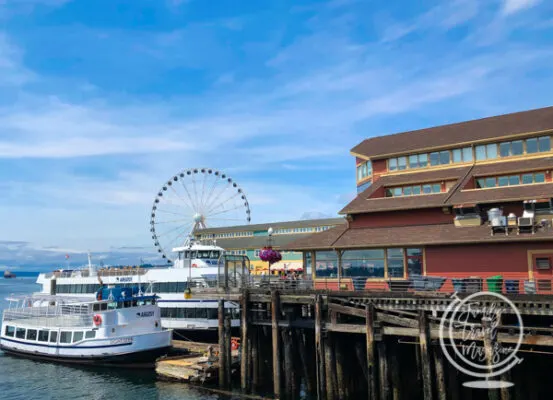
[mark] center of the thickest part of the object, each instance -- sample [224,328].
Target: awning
[287,266]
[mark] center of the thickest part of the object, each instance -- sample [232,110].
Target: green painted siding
[260,233]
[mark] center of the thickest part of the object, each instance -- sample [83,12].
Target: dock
[196,366]
[363,344]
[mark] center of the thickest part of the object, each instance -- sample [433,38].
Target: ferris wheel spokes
[212,200]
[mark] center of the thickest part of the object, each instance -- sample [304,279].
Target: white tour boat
[196,265]
[118,326]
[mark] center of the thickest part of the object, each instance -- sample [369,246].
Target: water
[26,379]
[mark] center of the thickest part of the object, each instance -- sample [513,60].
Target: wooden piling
[290,387]
[330,367]
[371,368]
[394,369]
[305,361]
[228,349]
[245,361]
[441,389]
[493,394]
[341,363]
[424,340]
[223,379]
[255,357]
[319,349]
[383,372]
[275,313]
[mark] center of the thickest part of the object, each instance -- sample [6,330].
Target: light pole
[188,292]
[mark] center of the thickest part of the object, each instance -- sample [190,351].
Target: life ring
[97,319]
[234,345]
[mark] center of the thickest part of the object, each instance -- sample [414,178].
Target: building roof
[363,203]
[405,236]
[258,242]
[305,223]
[467,132]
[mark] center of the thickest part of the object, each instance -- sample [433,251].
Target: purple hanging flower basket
[270,255]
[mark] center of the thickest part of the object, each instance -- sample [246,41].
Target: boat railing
[66,315]
[85,272]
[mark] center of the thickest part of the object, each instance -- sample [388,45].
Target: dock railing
[416,284]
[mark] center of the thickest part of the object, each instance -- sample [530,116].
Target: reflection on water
[27,379]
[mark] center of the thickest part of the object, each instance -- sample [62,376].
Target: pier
[369,344]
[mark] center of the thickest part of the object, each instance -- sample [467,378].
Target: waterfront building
[470,199]
[249,239]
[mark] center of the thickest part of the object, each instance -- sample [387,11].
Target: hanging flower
[270,255]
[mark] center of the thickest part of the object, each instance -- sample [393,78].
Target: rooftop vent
[467,215]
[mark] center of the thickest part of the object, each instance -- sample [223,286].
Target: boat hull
[141,359]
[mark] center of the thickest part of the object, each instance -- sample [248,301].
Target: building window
[363,263]
[326,264]
[395,263]
[427,188]
[364,170]
[414,261]
[510,180]
[401,163]
[543,263]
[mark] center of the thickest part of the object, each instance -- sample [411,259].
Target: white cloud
[514,6]
[444,16]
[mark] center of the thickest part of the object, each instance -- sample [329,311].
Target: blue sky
[103,101]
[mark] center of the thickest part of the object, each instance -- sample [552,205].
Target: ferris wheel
[194,199]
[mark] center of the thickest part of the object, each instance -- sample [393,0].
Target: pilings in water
[346,349]
[224,347]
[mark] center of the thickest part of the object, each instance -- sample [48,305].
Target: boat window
[10,330]
[193,254]
[20,333]
[190,313]
[128,304]
[77,336]
[201,313]
[90,335]
[103,306]
[43,336]
[31,334]
[212,313]
[204,254]
[96,307]
[172,287]
[186,254]
[235,313]
[112,305]
[53,337]
[65,337]
[215,254]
